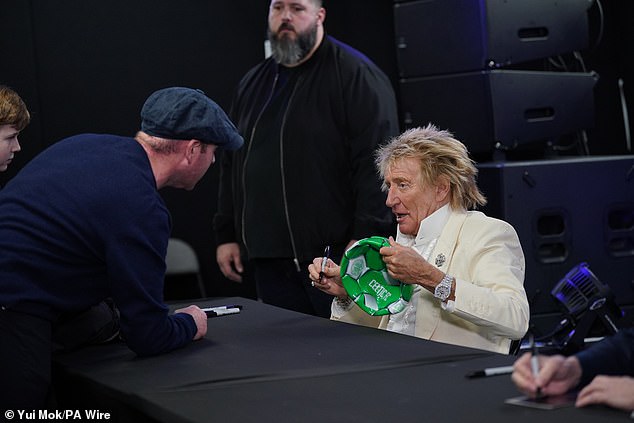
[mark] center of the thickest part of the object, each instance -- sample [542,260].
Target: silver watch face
[443,290]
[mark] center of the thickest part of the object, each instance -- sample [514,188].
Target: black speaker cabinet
[508,107]
[567,212]
[448,36]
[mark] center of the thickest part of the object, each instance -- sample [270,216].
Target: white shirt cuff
[337,310]
[448,306]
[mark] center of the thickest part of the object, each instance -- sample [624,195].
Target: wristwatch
[443,289]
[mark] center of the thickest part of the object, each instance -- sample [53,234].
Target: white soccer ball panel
[356,267]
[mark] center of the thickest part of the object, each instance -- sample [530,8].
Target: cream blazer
[491,309]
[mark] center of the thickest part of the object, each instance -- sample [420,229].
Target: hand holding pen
[313,268]
[557,374]
[324,275]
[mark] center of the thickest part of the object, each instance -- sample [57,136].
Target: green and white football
[365,278]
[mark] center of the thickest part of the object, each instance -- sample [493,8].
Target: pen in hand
[535,362]
[324,261]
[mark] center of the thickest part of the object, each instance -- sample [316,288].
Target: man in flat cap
[84,222]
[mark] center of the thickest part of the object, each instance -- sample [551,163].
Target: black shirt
[267,233]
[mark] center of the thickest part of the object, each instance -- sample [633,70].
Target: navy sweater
[614,355]
[84,221]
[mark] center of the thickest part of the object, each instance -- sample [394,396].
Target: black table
[269,364]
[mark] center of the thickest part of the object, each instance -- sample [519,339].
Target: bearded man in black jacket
[312,116]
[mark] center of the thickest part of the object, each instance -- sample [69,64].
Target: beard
[287,51]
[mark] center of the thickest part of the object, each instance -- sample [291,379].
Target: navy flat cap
[181,113]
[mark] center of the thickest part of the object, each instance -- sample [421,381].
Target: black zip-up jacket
[343,106]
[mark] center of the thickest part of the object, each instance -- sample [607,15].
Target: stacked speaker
[460,67]
[565,212]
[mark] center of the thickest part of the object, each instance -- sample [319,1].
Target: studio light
[589,306]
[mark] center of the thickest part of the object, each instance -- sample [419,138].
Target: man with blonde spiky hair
[467,268]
